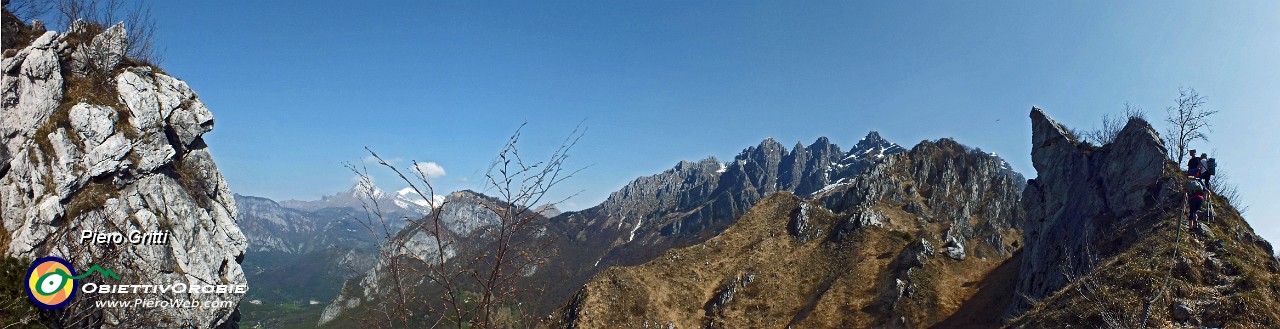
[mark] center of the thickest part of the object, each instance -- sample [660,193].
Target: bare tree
[137,19]
[1188,122]
[27,9]
[478,289]
[141,34]
[1111,125]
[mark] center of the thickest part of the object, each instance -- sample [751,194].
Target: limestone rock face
[103,53]
[465,212]
[32,90]
[136,163]
[1081,191]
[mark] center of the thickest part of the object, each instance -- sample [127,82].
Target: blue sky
[300,88]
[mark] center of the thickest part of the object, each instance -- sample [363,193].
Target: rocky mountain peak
[364,189]
[872,139]
[874,145]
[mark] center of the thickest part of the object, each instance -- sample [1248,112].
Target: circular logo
[50,284]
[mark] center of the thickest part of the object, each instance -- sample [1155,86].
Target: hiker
[1207,169]
[1195,197]
[1193,165]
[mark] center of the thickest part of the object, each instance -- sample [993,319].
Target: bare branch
[479,285]
[1188,122]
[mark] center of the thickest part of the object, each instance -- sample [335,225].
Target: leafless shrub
[1111,125]
[479,289]
[1107,132]
[28,9]
[1221,184]
[137,19]
[1116,314]
[1188,122]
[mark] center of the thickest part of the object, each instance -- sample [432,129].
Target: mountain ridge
[787,262]
[1087,243]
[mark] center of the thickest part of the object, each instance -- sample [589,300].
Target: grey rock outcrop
[1081,192]
[102,54]
[32,90]
[466,211]
[111,168]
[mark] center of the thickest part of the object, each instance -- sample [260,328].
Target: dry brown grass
[818,284]
[191,181]
[1117,291]
[92,196]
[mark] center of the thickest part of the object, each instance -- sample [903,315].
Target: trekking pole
[1209,205]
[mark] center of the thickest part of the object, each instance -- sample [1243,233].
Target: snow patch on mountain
[634,229]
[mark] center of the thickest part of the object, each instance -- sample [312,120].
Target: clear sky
[299,88]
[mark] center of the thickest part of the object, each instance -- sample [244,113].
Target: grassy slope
[810,285]
[1230,279]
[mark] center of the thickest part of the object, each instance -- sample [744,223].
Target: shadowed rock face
[1081,191]
[128,155]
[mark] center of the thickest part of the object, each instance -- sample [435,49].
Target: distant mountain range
[687,205]
[302,251]
[696,201]
[404,201]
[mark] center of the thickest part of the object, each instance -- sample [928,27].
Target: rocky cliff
[901,244]
[1082,191]
[1107,242]
[93,140]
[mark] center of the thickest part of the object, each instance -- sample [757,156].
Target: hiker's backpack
[1213,167]
[1194,187]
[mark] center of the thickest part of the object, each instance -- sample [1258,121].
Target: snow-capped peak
[409,195]
[365,188]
